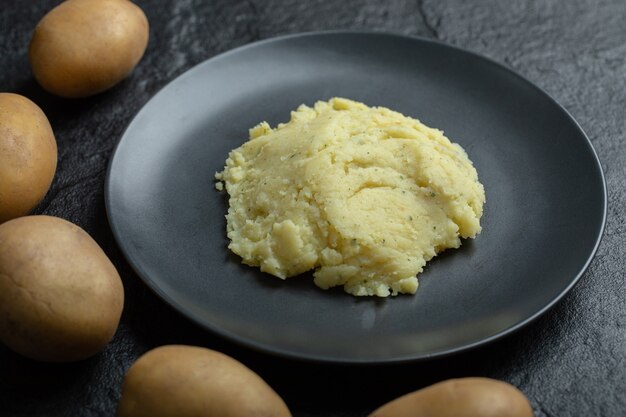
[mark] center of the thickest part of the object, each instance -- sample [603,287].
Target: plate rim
[318,358]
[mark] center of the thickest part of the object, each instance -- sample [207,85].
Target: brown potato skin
[28,155]
[189,381]
[61,298]
[463,397]
[83,47]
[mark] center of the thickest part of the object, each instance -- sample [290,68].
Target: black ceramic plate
[544,216]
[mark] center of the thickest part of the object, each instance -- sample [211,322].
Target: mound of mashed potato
[363,195]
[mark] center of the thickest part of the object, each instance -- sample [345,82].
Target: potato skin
[83,47]
[189,381]
[464,397]
[60,296]
[28,155]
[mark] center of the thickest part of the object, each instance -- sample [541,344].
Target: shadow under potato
[57,108]
[43,380]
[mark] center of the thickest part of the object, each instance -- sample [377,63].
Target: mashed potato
[365,196]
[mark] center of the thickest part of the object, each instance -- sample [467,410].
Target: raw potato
[188,381]
[83,47]
[60,296]
[465,397]
[28,155]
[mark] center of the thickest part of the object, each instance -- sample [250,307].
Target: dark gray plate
[545,211]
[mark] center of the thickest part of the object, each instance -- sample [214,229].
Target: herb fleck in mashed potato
[363,195]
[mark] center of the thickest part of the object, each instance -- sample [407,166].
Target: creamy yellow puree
[363,195]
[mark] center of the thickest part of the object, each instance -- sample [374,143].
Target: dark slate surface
[570,362]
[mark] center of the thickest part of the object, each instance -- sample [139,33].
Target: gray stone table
[570,362]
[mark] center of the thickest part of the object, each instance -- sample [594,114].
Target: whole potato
[188,381]
[28,155]
[83,47]
[60,296]
[464,397]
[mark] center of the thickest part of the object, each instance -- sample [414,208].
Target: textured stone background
[570,362]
